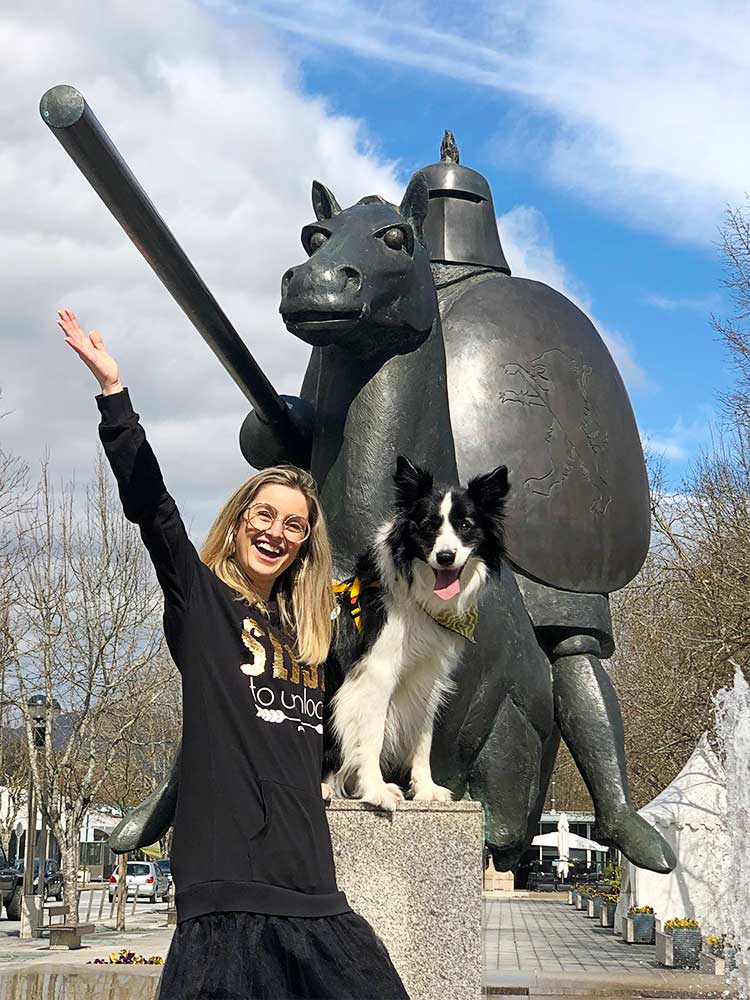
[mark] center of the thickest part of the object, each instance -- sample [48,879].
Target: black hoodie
[250,829]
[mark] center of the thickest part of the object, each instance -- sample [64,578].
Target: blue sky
[613,140]
[656,284]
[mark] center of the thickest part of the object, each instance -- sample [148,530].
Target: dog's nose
[445,557]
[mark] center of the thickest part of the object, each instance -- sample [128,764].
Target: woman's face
[265,552]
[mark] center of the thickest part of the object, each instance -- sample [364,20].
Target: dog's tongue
[446,583]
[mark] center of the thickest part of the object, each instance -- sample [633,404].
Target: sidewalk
[146,934]
[548,948]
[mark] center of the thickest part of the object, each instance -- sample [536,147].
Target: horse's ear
[415,202]
[325,205]
[411,482]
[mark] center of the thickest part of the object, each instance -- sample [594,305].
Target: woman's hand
[90,349]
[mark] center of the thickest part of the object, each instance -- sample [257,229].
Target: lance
[82,136]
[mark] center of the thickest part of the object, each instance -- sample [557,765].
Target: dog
[406,615]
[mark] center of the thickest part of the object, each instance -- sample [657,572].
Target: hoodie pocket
[293,849]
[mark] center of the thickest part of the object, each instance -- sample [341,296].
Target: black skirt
[251,956]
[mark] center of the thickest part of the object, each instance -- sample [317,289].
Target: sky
[613,140]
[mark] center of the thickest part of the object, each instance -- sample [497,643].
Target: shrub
[125,957]
[640,909]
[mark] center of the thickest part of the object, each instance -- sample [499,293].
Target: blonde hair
[303,591]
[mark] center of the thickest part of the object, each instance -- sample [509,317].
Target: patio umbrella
[563,846]
[574,842]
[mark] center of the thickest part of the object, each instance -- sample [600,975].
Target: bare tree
[685,618]
[86,634]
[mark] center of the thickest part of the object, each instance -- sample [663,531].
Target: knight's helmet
[460,227]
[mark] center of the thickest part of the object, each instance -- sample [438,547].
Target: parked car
[144,878]
[11,883]
[166,869]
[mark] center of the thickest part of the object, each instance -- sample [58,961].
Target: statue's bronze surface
[514,373]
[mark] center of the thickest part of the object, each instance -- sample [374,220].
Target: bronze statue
[526,380]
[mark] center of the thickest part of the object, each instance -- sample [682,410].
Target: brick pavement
[529,934]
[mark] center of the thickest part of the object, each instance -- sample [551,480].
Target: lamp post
[39,708]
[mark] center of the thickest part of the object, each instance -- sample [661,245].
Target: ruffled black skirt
[251,956]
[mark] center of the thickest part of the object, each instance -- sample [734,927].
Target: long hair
[303,591]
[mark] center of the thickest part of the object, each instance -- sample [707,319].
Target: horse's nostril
[286,280]
[353,278]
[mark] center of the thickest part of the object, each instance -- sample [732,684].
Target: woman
[248,625]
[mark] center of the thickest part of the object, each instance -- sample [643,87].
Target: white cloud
[704,304]
[215,125]
[528,246]
[641,108]
[682,440]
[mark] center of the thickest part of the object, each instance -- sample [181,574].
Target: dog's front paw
[326,791]
[428,791]
[383,796]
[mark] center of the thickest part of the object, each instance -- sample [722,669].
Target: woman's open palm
[90,349]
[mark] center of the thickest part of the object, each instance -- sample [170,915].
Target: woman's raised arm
[144,496]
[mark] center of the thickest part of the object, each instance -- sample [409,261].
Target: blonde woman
[248,623]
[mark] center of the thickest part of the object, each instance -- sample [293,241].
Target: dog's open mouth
[447,583]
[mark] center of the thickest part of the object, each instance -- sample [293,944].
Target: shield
[533,386]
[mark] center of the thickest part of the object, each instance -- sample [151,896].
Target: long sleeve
[144,497]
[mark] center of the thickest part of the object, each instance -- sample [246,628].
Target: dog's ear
[490,489]
[411,481]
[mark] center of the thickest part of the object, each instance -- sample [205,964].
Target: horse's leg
[494,736]
[589,717]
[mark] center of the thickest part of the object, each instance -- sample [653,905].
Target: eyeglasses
[262,516]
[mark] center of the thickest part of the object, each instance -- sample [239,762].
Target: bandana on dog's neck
[461,622]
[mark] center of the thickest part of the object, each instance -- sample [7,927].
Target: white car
[144,878]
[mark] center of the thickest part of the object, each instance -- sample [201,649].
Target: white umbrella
[563,845]
[574,842]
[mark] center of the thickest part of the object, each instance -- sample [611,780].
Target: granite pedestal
[416,876]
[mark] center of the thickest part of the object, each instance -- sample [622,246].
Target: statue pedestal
[416,876]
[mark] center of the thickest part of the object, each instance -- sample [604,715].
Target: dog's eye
[466,526]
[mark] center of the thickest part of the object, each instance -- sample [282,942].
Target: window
[136,868]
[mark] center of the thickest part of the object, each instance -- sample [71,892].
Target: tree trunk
[71,852]
[122,890]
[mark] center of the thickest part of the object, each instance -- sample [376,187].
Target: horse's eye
[395,238]
[316,241]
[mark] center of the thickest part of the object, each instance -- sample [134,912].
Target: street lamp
[39,708]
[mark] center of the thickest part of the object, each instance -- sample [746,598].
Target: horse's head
[367,285]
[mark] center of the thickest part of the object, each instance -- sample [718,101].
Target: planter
[718,965]
[679,950]
[712,965]
[571,898]
[594,907]
[582,901]
[639,928]
[607,916]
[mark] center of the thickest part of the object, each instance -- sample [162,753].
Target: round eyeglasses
[262,516]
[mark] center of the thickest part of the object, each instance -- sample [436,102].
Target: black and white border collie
[388,681]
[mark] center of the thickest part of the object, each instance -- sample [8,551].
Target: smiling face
[266,546]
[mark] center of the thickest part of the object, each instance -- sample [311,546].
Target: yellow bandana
[461,622]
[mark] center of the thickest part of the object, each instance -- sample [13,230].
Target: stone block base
[416,876]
